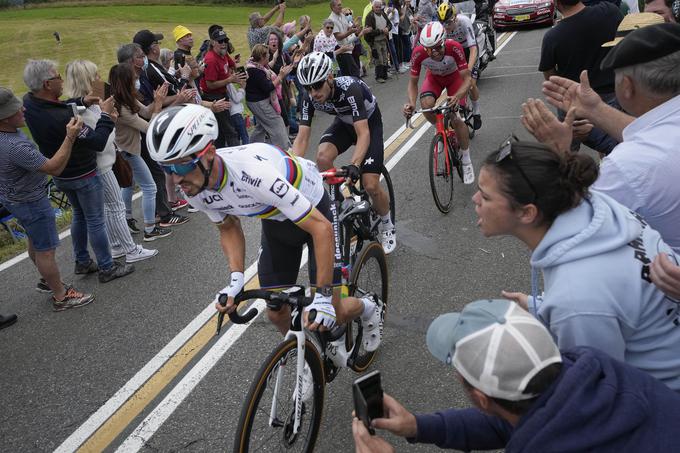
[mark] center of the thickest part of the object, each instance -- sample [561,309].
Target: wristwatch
[325,291]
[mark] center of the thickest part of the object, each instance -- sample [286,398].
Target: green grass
[95,32]
[9,248]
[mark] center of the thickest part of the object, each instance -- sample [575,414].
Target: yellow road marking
[134,406]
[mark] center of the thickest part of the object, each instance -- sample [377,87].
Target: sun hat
[180,32]
[9,103]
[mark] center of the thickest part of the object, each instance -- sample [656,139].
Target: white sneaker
[468,174]
[140,254]
[373,326]
[388,240]
[402,69]
[192,209]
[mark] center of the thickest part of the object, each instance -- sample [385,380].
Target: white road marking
[147,428]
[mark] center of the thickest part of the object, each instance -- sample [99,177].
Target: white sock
[465,156]
[475,107]
[369,308]
[386,222]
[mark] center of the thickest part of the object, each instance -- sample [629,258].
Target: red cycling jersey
[453,61]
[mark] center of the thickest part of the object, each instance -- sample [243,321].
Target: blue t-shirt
[20,180]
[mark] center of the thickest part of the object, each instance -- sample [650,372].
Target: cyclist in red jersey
[447,68]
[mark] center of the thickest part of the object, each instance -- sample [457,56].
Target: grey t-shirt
[20,180]
[258,35]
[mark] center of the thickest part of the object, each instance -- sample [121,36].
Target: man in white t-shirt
[346,34]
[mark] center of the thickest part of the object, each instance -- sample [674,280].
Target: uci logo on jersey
[210,199]
[279,188]
[246,178]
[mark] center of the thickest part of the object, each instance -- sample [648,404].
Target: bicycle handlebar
[441,108]
[270,296]
[335,176]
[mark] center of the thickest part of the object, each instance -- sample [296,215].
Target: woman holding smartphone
[131,123]
[82,78]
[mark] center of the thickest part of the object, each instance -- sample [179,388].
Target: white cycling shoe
[373,325]
[388,240]
[468,173]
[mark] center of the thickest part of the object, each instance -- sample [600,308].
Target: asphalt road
[58,369]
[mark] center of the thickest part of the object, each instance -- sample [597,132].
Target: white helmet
[432,34]
[180,131]
[314,67]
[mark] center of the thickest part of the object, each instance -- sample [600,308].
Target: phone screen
[74,109]
[368,398]
[241,69]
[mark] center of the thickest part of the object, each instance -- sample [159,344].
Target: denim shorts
[37,218]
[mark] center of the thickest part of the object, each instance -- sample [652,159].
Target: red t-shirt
[216,68]
[453,61]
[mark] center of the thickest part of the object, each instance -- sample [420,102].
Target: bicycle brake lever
[222,299]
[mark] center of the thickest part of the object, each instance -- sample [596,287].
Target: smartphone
[368,398]
[74,109]
[98,89]
[237,56]
[107,91]
[241,69]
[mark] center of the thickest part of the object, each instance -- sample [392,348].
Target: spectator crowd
[591,363]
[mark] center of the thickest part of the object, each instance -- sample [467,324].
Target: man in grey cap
[528,396]
[23,177]
[643,171]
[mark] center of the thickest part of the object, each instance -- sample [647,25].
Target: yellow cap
[180,32]
[632,22]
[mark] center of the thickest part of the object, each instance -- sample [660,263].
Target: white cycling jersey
[464,33]
[262,181]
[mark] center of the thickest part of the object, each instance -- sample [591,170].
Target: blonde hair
[79,77]
[259,51]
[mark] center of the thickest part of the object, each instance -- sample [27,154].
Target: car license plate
[522,17]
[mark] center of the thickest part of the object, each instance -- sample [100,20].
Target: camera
[368,399]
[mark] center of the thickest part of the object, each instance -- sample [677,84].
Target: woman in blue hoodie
[594,254]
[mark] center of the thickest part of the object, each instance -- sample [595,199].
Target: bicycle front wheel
[441,176]
[275,385]
[369,275]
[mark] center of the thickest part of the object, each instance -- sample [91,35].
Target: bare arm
[267,17]
[321,231]
[301,142]
[233,243]
[57,163]
[473,56]
[412,90]
[279,17]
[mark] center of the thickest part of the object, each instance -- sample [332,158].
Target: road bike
[444,156]
[279,413]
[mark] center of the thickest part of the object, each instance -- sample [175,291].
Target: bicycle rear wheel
[369,275]
[441,175]
[254,431]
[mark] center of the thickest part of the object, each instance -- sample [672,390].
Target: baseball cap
[145,38]
[218,35]
[633,22]
[643,45]
[9,103]
[180,32]
[495,345]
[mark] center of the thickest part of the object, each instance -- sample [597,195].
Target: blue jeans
[87,199]
[406,48]
[240,126]
[393,53]
[142,176]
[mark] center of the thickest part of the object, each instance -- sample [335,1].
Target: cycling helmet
[180,131]
[433,34]
[314,67]
[445,12]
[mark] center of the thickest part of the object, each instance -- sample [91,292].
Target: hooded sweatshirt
[596,404]
[595,261]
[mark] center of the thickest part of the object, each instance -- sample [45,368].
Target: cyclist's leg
[279,263]
[463,135]
[429,92]
[334,141]
[373,164]
[474,98]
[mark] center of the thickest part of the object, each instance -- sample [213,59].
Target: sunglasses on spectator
[315,86]
[220,41]
[56,77]
[186,167]
[328,28]
[505,152]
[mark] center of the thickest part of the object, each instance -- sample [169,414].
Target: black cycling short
[343,135]
[281,251]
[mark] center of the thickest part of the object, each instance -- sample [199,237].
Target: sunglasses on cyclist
[439,49]
[315,86]
[505,152]
[185,168]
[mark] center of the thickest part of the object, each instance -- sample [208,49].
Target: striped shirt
[20,160]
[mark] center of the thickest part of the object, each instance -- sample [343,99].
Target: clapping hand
[565,94]
[545,127]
